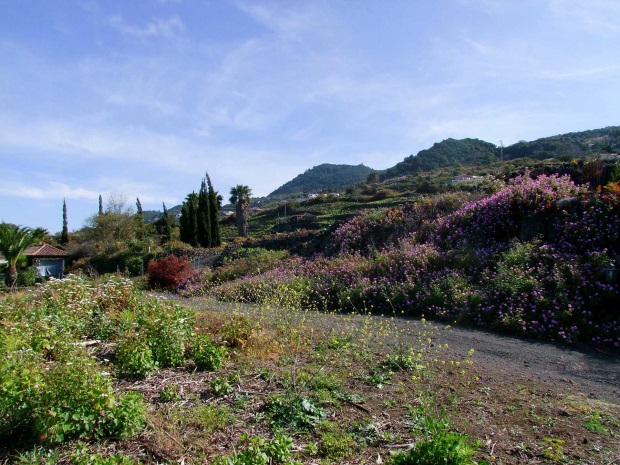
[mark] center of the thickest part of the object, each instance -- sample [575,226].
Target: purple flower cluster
[496,218]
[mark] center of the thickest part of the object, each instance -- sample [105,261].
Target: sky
[141,98]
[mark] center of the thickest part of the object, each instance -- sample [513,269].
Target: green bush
[20,379]
[438,446]
[134,358]
[77,400]
[206,355]
[27,277]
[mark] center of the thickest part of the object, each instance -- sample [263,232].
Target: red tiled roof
[44,250]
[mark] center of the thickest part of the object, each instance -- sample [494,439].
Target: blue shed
[49,260]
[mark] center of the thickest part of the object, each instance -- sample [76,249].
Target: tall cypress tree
[100,205]
[203,220]
[188,226]
[214,207]
[139,220]
[64,235]
[138,207]
[166,235]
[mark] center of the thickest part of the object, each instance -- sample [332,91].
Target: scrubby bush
[134,358]
[206,355]
[64,401]
[168,272]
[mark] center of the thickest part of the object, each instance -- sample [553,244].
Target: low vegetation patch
[96,372]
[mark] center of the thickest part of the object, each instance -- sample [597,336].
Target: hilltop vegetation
[475,152]
[573,144]
[450,152]
[324,177]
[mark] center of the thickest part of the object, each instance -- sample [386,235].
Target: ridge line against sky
[141,98]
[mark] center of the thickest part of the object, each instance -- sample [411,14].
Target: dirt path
[593,373]
[497,357]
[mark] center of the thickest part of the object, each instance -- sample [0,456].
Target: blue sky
[140,98]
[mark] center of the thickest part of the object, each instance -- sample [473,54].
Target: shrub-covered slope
[450,152]
[325,176]
[528,259]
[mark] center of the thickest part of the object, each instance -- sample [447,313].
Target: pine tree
[138,207]
[100,205]
[64,235]
[214,208]
[203,220]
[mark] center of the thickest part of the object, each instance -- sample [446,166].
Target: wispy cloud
[598,17]
[50,189]
[156,27]
[290,20]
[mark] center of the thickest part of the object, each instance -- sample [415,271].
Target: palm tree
[13,241]
[240,196]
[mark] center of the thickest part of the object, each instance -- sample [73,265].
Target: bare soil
[525,401]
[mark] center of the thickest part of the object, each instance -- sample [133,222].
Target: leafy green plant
[378,378]
[170,394]
[38,456]
[294,413]
[21,376]
[206,355]
[439,445]
[134,358]
[553,448]
[78,401]
[335,444]
[220,387]
[403,360]
[259,451]
[600,423]
[27,277]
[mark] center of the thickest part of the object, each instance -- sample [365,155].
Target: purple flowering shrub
[368,233]
[536,290]
[447,294]
[494,220]
[590,224]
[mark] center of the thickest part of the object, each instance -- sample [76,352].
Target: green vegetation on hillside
[572,145]
[324,177]
[450,152]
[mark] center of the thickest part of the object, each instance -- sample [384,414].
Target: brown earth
[526,401]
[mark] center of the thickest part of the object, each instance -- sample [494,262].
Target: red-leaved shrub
[168,272]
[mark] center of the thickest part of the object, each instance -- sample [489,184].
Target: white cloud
[49,190]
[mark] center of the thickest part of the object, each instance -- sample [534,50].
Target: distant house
[464,178]
[610,156]
[49,260]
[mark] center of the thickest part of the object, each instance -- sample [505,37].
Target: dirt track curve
[497,356]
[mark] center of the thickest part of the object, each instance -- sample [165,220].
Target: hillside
[324,177]
[475,152]
[450,152]
[572,144]
[151,216]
